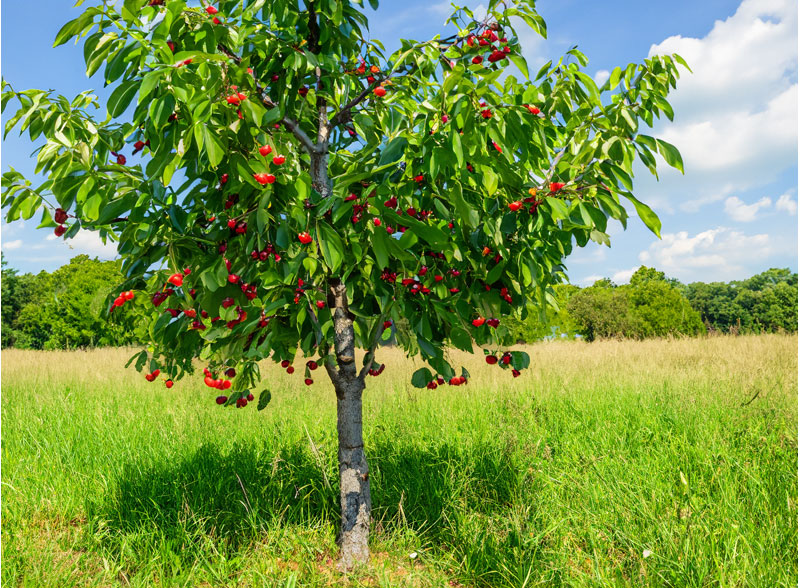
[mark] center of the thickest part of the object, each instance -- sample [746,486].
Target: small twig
[370,356]
[289,123]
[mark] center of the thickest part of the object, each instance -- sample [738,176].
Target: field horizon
[615,463]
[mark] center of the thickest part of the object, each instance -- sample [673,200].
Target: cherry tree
[280,187]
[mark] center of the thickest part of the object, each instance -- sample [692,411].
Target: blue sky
[733,213]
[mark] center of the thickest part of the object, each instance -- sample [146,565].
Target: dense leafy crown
[456,185]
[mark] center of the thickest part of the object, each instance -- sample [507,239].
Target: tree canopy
[454,186]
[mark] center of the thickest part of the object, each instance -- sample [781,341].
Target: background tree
[66,309]
[291,189]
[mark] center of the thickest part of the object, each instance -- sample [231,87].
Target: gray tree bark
[353,470]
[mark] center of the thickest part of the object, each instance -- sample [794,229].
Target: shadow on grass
[241,494]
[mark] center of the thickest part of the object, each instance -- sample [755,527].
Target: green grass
[610,464]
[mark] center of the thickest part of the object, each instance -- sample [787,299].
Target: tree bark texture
[353,470]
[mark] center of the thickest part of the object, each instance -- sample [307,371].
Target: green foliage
[766,302]
[65,309]
[435,147]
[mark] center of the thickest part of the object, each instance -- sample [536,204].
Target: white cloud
[786,204]
[589,280]
[15,244]
[745,213]
[85,242]
[89,242]
[716,254]
[624,276]
[736,115]
[601,76]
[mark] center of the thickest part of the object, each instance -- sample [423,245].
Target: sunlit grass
[615,463]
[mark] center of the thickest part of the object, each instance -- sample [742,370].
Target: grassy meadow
[656,463]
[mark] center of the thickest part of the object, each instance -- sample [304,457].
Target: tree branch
[370,356]
[292,125]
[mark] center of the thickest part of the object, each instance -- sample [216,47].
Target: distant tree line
[652,305]
[64,309]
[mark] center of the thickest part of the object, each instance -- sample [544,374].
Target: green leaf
[467,214]
[264,398]
[670,154]
[521,64]
[214,147]
[393,151]
[421,378]
[121,97]
[461,339]
[490,181]
[379,247]
[331,244]
[647,215]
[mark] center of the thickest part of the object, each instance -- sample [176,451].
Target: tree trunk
[353,471]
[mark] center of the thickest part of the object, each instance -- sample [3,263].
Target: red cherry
[515,373]
[222,399]
[171,46]
[60,216]
[478,321]
[168,383]
[533,109]
[491,359]
[556,186]
[320,304]
[265,150]
[477,59]
[60,230]
[496,56]
[515,206]
[190,312]
[380,92]
[308,381]
[305,238]
[216,20]
[241,403]
[250,397]
[285,363]
[227,302]
[278,159]
[149,377]
[312,365]
[376,222]
[496,146]
[128,295]
[119,301]
[230,372]
[233,278]
[290,369]
[176,280]
[386,324]
[233,99]
[211,10]
[444,118]
[226,385]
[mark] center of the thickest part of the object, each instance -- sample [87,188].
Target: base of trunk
[353,479]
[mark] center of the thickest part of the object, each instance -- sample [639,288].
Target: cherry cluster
[504,359]
[122,299]
[264,254]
